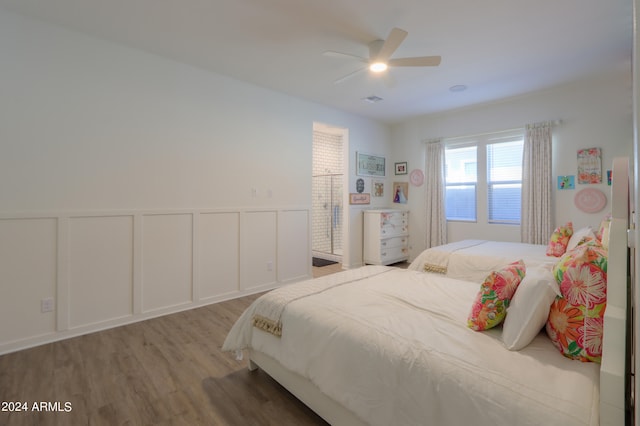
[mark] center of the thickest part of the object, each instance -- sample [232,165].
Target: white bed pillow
[578,236]
[529,308]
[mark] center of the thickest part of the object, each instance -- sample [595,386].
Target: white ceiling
[498,48]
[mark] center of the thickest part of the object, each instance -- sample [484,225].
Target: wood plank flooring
[164,371]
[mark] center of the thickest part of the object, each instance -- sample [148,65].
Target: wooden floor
[164,371]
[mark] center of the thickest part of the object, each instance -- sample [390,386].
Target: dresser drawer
[393,242]
[390,254]
[390,229]
[394,219]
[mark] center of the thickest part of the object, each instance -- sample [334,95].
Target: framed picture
[378,188]
[401,168]
[400,192]
[358,198]
[566,182]
[590,165]
[369,165]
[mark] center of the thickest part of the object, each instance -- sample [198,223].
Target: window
[461,177]
[504,181]
[483,178]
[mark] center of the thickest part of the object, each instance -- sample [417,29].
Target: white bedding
[394,349]
[472,260]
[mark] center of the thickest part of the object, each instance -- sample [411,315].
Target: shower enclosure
[327,216]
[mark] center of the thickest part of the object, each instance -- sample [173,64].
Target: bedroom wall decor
[590,200]
[590,165]
[378,188]
[358,198]
[567,182]
[369,165]
[401,168]
[400,192]
[416,177]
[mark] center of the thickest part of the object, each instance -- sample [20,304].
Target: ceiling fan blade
[344,55]
[419,61]
[348,76]
[396,37]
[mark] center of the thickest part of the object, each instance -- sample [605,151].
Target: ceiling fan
[380,52]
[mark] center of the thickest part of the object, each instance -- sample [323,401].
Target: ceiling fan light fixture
[380,56]
[378,67]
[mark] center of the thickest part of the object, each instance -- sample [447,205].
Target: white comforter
[473,260]
[395,350]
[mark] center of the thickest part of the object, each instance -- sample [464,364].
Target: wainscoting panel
[167,259]
[100,269]
[27,276]
[259,249]
[219,260]
[294,258]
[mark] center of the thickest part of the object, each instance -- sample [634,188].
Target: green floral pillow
[576,318]
[559,240]
[490,306]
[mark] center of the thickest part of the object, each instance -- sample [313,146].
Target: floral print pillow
[559,240]
[576,318]
[490,305]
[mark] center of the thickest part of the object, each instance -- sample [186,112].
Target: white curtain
[436,222]
[537,185]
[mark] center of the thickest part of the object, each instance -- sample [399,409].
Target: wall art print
[567,182]
[369,165]
[378,188]
[590,165]
[359,198]
[401,192]
[401,168]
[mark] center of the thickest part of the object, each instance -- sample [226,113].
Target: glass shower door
[327,216]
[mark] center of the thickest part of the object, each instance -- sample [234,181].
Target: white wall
[594,113]
[132,185]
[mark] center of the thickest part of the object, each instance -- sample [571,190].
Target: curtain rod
[449,138]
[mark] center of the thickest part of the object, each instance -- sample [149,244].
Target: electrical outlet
[270,266]
[47,305]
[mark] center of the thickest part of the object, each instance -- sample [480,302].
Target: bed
[380,345]
[472,260]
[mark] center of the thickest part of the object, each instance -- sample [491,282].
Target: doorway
[327,192]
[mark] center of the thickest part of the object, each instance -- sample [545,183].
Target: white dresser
[386,236]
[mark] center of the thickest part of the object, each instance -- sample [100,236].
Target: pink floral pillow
[490,306]
[576,318]
[559,240]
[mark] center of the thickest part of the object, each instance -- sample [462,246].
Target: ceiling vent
[458,88]
[372,99]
